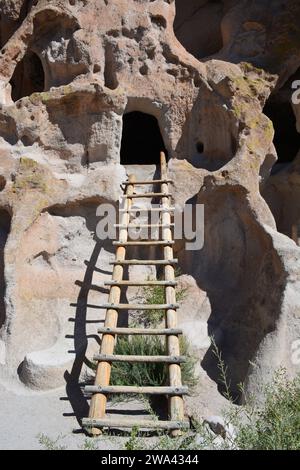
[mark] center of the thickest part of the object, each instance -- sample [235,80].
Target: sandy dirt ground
[46,420]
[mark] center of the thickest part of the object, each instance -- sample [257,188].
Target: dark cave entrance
[5,220]
[142,141]
[286,139]
[282,197]
[28,77]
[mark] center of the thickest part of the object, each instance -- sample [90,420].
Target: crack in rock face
[91,91]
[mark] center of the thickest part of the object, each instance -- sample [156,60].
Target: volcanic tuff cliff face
[210,72]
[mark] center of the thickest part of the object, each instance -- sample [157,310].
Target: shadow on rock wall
[5,220]
[244,280]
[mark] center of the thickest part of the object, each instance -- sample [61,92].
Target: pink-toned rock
[205,73]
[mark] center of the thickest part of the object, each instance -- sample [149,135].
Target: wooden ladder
[175,390]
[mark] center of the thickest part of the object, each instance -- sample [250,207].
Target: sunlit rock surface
[216,79]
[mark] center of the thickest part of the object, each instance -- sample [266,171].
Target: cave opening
[5,221]
[197,26]
[286,138]
[28,77]
[280,191]
[142,141]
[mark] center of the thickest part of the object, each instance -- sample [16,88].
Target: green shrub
[140,374]
[275,425]
[147,374]
[51,444]
[156,295]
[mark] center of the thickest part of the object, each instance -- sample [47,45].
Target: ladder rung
[148,209]
[145,243]
[144,226]
[145,262]
[125,358]
[127,183]
[91,389]
[144,195]
[140,283]
[130,423]
[140,331]
[139,306]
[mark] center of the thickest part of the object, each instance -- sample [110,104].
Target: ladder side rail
[176,405]
[102,378]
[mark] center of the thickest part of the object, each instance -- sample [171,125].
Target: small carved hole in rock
[28,77]
[142,141]
[151,53]
[159,21]
[26,141]
[200,147]
[96,68]
[173,72]
[2,182]
[144,70]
